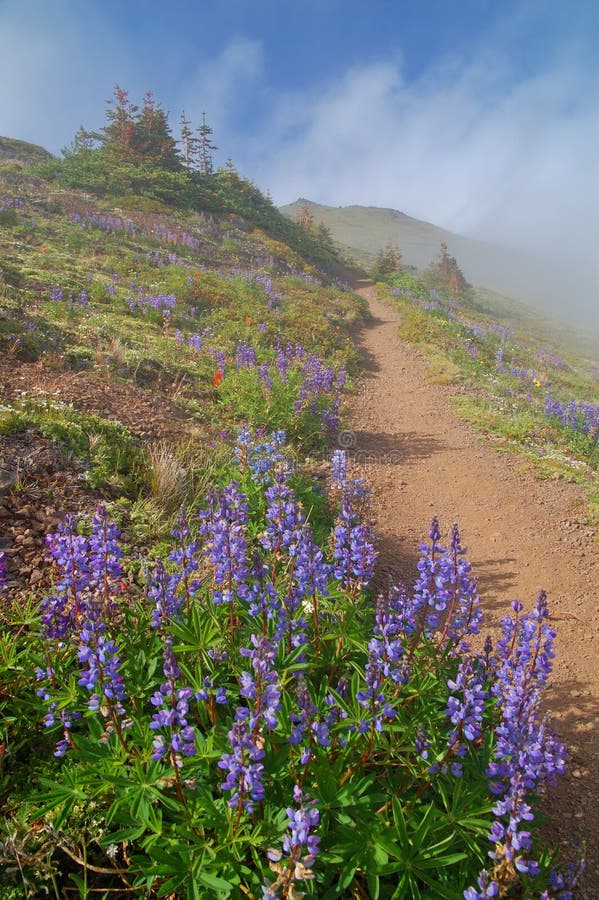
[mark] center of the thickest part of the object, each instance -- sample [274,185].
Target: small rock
[36,576]
[7,481]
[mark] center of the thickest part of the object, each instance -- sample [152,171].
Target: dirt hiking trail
[522,535]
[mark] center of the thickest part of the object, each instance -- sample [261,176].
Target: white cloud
[223,86]
[513,164]
[55,70]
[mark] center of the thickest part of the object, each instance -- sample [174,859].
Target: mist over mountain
[553,287]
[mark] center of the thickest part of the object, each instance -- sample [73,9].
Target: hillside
[362,231]
[22,151]
[201,691]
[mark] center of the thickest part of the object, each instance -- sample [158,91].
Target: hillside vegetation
[537,399]
[200,697]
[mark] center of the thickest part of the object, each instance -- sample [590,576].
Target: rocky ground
[39,482]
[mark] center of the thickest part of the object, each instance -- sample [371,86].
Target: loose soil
[40,482]
[522,534]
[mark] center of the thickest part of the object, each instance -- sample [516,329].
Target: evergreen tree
[448,275]
[190,145]
[117,134]
[305,219]
[205,164]
[82,141]
[152,139]
[387,262]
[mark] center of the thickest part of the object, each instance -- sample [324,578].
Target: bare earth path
[522,535]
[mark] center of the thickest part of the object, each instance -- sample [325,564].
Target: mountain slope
[363,231]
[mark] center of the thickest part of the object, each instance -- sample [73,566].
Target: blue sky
[479,115]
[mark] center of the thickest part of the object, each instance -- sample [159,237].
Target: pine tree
[305,219]
[387,262]
[82,140]
[189,143]
[205,164]
[449,275]
[152,139]
[117,135]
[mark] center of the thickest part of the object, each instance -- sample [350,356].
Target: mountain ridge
[361,232]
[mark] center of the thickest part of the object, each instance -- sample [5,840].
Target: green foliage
[134,155]
[107,447]
[445,274]
[387,263]
[394,819]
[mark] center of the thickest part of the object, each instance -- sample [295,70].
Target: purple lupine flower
[262,597]
[209,689]
[527,755]
[353,547]
[245,356]
[105,567]
[306,710]
[302,822]
[421,742]
[283,514]
[219,358]
[102,674]
[385,661]
[262,456]
[262,691]
[175,736]
[487,888]
[66,608]
[263,687]
[432,593]
[167,602]
[265,376]
[245,771]
[387,644]
[563,883]
[195,341]
[224,526]
[373,697]
[282,364]
[66,718]
[330,417]
[362,554]
[309,580]
[185,558]
[300,845]
[465,708]
[459,592]
[339,469]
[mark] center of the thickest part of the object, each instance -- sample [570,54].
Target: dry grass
[168,477]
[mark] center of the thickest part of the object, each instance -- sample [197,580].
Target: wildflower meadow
[205,691]
[242,716]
